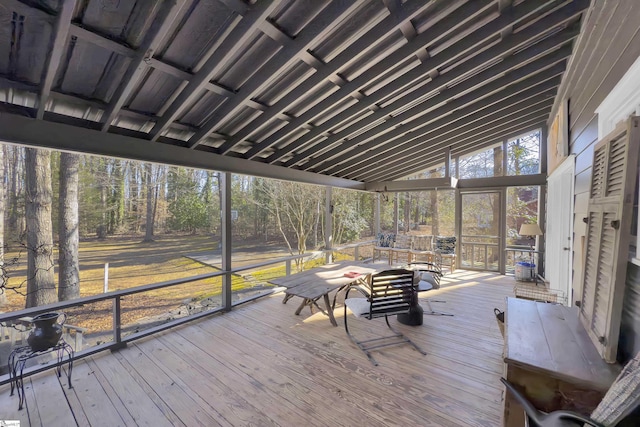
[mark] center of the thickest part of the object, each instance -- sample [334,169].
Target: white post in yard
[106,277]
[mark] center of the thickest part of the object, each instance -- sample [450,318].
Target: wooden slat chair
[621,400]
[383,245]
[401,249]
[445,249]
[422,249]
[387,293]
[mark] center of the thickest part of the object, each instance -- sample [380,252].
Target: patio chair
[387,293]
[446,251]
[622,398]
[383,244]
[427,277]
[422,249]
[401,248]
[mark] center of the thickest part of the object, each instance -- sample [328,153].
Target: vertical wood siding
[610,43]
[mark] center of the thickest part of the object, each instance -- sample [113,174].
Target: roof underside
[362,90]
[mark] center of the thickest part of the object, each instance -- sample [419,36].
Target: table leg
[305,302]
[330,310]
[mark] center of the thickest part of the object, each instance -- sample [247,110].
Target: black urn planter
[47,331]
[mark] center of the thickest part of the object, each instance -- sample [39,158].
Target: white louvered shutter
[608,231]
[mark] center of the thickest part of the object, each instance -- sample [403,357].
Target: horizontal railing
[120,341]
[467,246]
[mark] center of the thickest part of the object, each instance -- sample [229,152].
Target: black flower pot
[47,331]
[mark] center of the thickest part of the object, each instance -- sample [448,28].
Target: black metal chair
[538,418]
[387,293]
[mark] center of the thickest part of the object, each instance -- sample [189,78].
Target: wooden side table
[21,355]
[549,357]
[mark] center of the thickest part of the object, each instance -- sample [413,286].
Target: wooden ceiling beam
[241,34]
[409,144]
[451,122]
[168,13]
[330,17]
[454,52]
[469,133]
[510,84]
[410,10]
[17,129]
[439,84]
[439,30]
[58,47]
[402,168]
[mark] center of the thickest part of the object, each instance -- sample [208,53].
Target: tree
[69,265]
[187,208]
[293,206]
[348,221]
[148,235]
[3,185]
[40,275]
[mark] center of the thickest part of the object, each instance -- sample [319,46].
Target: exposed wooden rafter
[168,13]
[58,44]
[323,71]
[359,91]
[241,34]
[330,17]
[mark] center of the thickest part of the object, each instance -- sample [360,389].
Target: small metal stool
[19,357]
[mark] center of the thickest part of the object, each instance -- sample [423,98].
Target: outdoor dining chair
[387,293]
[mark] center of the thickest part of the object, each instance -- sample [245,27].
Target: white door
[559,249]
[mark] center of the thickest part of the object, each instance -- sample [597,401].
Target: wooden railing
[469,251]
[8,320]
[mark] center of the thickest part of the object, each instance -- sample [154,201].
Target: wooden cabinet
[549,356]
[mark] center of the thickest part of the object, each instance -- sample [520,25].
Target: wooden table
[319,282]
[549,357]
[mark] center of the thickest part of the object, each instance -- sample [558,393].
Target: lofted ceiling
[340,92]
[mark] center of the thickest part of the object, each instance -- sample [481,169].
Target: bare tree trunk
[3,185]
[102,174]
[148,228]
[407,212]
[15,219]
[435,216]
[68,262]
[41,287]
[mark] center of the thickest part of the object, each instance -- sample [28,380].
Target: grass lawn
[131,263]
[134,263]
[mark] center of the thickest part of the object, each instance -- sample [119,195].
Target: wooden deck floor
[261,365]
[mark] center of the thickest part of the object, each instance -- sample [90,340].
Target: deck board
[260,364]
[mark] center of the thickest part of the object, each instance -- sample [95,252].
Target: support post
[225,182]
[447,162]
[117,325]
[396,213]
[376,215]
[542,203]
[505,157]
[328,230]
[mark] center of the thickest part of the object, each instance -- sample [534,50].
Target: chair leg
[367,345]
[432,312]
[401,335]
